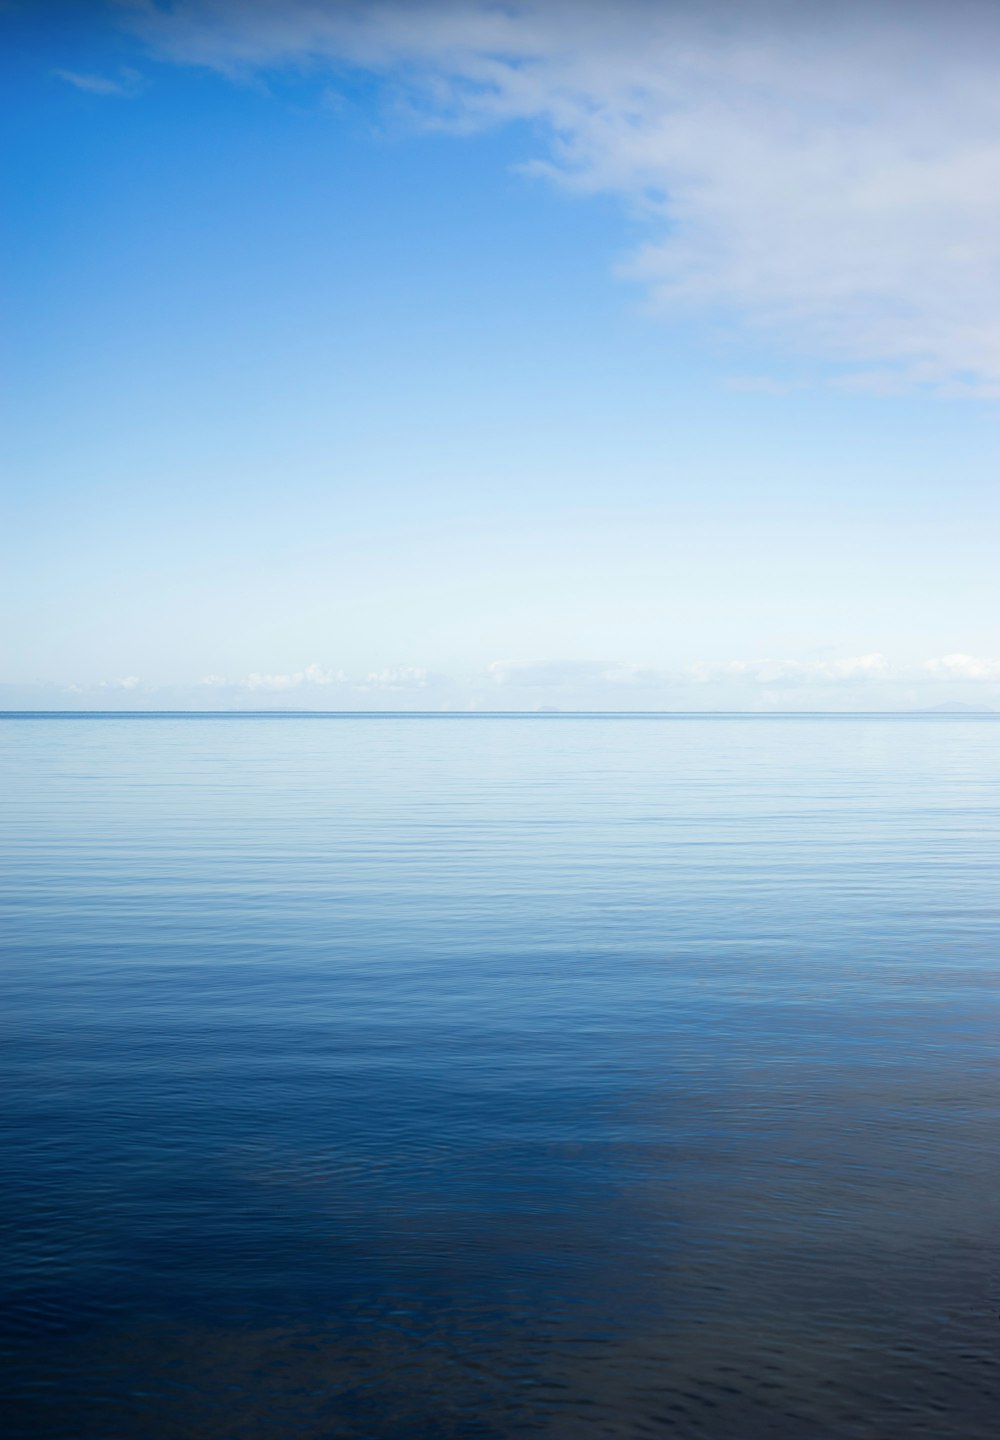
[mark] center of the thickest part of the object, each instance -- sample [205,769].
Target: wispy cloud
[126,86]
[829,174]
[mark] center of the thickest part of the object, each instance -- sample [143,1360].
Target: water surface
[500,1077]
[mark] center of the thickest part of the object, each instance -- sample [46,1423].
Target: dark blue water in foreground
[500,1077]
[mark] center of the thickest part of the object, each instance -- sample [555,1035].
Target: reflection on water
[500,1077]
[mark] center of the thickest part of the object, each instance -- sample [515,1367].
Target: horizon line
[938,712]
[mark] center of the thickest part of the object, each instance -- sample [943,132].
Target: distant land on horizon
[955,707]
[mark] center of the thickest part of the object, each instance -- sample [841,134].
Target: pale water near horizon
[491,1077]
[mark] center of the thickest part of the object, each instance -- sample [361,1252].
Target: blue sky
[445,355]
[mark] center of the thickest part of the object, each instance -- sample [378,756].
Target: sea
[439,1077]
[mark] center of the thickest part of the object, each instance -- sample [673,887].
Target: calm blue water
[500,1077]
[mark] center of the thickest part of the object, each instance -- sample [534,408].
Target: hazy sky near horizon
[445,354]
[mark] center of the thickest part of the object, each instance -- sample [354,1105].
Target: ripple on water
[444,1079]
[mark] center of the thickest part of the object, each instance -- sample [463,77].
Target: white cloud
[795,672]
[617,674]
[311,675]
[562,672]
[827,173]
[858,667]
[398,677]
[963,667]
[869,681]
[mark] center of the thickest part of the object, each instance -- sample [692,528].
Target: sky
[443,354]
